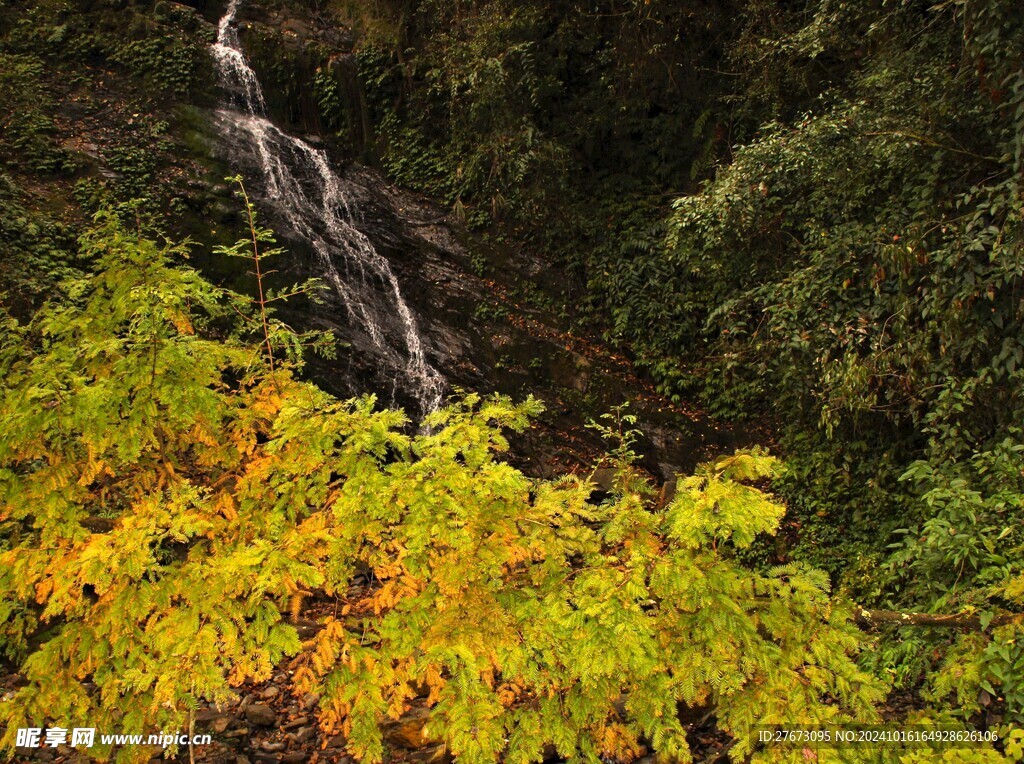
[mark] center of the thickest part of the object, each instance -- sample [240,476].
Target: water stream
[318,205]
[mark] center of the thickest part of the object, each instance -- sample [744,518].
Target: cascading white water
[320,210]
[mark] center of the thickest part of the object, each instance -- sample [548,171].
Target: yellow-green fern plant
[171,492]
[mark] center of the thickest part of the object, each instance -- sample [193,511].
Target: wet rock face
[432,270]
[308,70]
[398,296]
[322,209]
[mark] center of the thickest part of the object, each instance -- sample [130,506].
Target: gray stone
[298,721]
[221,723]
[261,714]
[605,478]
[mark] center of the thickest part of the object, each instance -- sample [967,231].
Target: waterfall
[317,204]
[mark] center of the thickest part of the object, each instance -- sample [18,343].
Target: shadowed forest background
[724,300]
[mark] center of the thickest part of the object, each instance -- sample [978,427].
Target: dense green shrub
[514,111]
[168,498]
[169,63]
[854,262]
[36,251]
[26,124]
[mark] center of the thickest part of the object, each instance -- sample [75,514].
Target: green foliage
[409,159]
[714,506]
[1011,745]
[620,434]
[982,668]
[26,122]
[134,168]
[36,252]
[328,97]
[115,414]
[843,496]
[164,48]
[862,258]
[520,112]
[491,311]
[852,265]
[969,539]
[857,263]
[855,266]
[965,554]
[170,63]
[529,614]
[169,496]
[277,337]
[480,76]
[79,90]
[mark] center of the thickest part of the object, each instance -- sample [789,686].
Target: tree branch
[876,618]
